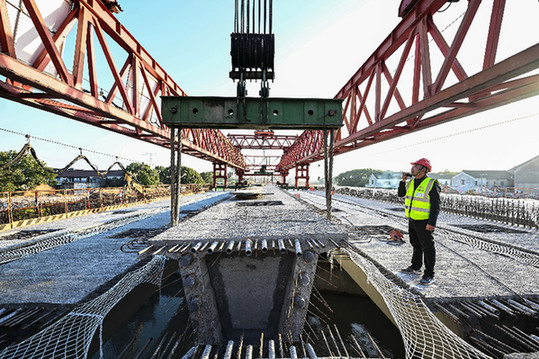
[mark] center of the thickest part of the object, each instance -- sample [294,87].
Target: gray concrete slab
[68,273]
[236,220]
[461,270]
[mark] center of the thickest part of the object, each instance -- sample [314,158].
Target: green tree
[207,177]
[143,173]
[164,174]
[190,176]
[23,175]
[355,178]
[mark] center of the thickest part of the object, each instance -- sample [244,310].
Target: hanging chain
[330,169]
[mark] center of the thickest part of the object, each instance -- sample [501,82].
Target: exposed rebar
[271,349]
[297,245]
[248,250]
[230,247]
[212,247]
[311,351]
[229,348]
[282,248]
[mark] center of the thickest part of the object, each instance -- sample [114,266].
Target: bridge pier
[302,172]
[219,171]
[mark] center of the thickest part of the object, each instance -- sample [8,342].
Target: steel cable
[65,145]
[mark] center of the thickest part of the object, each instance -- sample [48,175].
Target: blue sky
[320,44]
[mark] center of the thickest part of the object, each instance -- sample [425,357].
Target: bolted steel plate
[251,113]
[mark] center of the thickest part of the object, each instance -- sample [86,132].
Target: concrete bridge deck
[87,253]
[465,269]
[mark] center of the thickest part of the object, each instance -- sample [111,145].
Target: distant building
[386,179]
[77,179]
[478,180]
[443,178]
[526,175]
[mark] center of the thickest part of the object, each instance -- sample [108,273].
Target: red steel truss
[256,162]
[40,77]
[262,142]
[390,96]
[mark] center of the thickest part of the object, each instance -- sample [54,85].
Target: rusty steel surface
[41,77]
[390,96]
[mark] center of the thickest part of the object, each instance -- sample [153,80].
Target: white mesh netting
[71,336]
[424,335]
[16,252]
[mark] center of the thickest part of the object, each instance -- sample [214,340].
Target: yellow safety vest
[417,202]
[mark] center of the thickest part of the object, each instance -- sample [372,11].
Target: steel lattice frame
[376,110]
[256,162]
[131,107]
[271,142]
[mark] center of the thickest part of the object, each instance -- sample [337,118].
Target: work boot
[411,270]
[427,280]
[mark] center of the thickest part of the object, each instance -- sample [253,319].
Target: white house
[479,180]
[443,178]
[386,179]
[526,175]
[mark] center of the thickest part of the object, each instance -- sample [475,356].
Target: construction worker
[422,205]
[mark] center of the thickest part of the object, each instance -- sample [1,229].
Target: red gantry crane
[417,78]
[398,90]
[36,73]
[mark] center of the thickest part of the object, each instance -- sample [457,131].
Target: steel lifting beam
[389,96]
[302,172]
[220,171]
[262,140]
[250,112]
[41,77]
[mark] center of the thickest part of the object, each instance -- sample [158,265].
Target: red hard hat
[423,162]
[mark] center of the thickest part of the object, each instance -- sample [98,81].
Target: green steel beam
[252,113]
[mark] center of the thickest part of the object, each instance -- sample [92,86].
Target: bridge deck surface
[255,214]
[463,270]
[65,274]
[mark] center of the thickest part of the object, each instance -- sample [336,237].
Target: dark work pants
[423,244]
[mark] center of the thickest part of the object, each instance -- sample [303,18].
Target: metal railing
[497,192]
[28,205]
[505,210]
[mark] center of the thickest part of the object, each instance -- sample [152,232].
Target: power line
[464,132]
[67,145]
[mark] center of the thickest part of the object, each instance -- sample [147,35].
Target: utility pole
[151,157]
